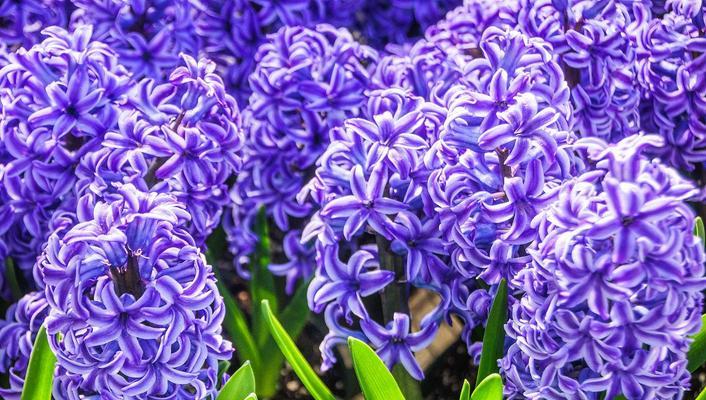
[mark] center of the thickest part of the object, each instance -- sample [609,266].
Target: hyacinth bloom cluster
[76,125]
[182,137]
[591,41]
[232,31]
[614,288]
[147,35]
[632,67]
[17,333]
[134,308]
[371,232]
[307,82]
[58,100]
[476,155]
[671,56]
[502,151]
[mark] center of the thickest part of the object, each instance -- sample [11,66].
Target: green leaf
[697,350]
[301,367]
[410,387]
[11,275]
[236,324]
[465,391]
[375,379]
[40,372]
[296,314]
[251,396]
[490,388]
[223,367]
[262,283]
[293,318]
[240,385]
[494,335]
[699,229]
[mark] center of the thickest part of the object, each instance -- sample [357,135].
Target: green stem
[409,386]
[262,284]
[395,298]
[11,274]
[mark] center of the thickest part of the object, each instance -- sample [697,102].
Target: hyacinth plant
[523,176]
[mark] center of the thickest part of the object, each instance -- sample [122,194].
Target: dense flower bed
[393,148]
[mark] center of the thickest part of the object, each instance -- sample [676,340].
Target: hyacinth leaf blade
[262,284]
[494,335]
[237,326]
[697,350]
[699,229]
[409,385]
[301,367]
[490,388]
[465,390]
[240,385]
[40,371]
[235,322]
[293,317]
[376,381]
[296,314]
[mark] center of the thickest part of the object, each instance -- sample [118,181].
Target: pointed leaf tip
[494,335]
[376,381]
[491,388]
[40,371]
[240,386]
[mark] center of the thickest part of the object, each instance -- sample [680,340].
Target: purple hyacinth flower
[148,58]
[58,98]
[189,155]
[71,106]
[420,243]
[629,218]
[601,312]
[394,343]
[365,204]
[521,125]
[301,260]
[347,283]
[390,135]
[524,198]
